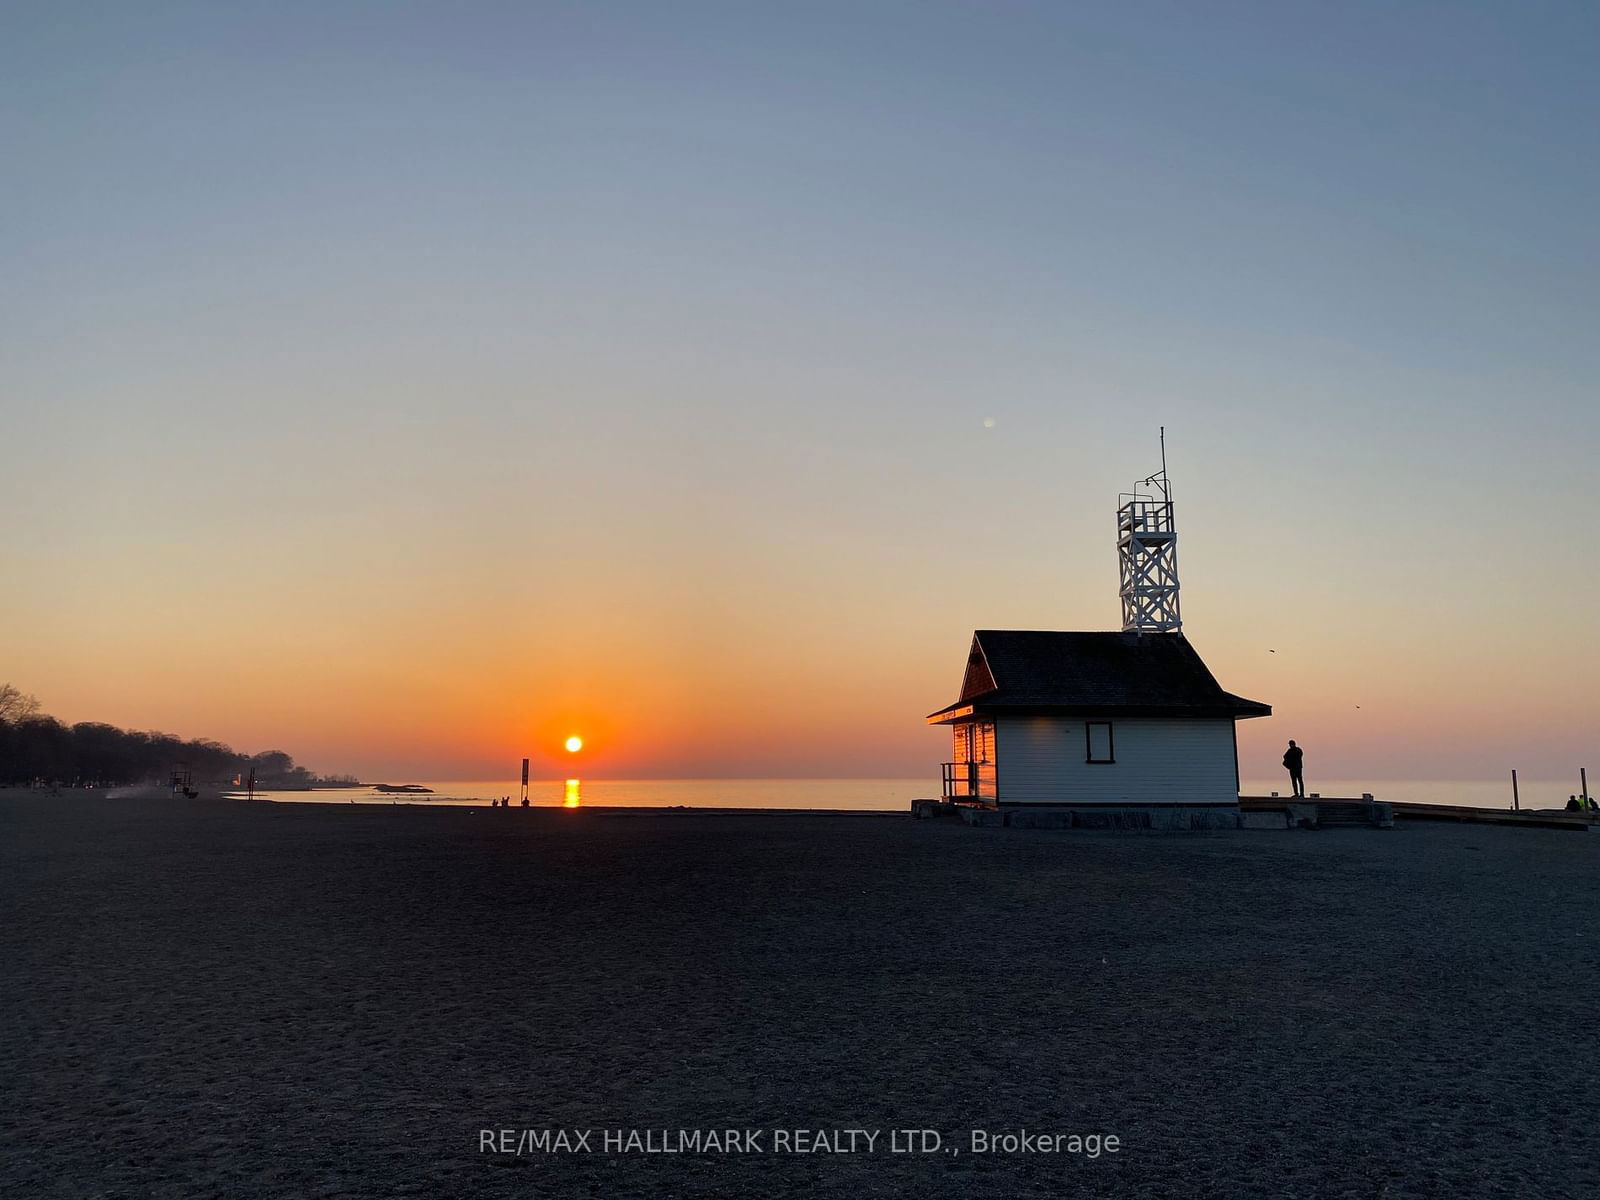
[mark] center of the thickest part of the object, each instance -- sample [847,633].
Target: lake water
[1475,793]
[849,795]
[870,795]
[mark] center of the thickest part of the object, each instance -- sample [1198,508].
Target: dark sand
[299,1000]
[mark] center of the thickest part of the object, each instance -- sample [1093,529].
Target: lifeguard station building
[1113,720]
[1092,720]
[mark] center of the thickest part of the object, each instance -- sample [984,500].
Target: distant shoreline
[412,800]
[616,797]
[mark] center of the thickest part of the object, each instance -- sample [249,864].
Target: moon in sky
[574,744]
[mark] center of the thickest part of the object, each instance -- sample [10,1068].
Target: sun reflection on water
[574,795]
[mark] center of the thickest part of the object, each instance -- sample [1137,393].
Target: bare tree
[16,706]
[36,746]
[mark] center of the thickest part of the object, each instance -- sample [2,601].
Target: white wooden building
[1092,720]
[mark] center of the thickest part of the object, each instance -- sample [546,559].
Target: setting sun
[574,744]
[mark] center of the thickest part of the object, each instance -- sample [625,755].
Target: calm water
[1535,793]
[851,795]
[869,795]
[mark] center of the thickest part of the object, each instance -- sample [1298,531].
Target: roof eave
[960,712]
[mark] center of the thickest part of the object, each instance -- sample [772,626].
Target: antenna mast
[1147,554]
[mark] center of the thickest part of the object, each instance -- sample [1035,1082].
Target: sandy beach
[303,1000]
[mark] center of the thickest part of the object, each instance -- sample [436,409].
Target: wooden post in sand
[1515,806]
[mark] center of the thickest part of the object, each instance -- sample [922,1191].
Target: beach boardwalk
[1103,729]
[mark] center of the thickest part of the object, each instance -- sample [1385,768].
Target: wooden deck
[1530,818]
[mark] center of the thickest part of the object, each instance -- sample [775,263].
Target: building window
[975,743]
[1097,742]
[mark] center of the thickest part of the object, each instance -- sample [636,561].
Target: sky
[408,386]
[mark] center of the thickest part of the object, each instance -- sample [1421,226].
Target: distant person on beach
[1293,757]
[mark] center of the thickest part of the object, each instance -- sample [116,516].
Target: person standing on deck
[1292,758]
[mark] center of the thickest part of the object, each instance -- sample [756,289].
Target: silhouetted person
[1292,758]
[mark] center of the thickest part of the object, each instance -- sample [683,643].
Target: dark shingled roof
[1087,674]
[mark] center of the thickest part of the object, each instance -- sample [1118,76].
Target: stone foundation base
[1158,818]
[1168,817]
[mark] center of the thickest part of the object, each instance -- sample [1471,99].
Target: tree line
[34,746]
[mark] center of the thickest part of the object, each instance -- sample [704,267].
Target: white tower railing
[1147,555]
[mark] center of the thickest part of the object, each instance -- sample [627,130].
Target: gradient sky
[409,385]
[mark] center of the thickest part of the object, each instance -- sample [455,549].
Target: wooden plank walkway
[1403,810]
